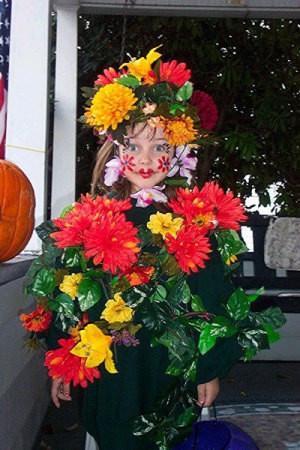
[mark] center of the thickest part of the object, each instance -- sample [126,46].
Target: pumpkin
[17,203]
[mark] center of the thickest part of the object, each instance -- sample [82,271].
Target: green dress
[112,401]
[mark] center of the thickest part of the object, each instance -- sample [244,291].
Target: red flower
[206,108]
[190,248]
[62,364]
[228,210]
[112,242]
[193,207]
[108,77]
[173,72]
[137,275]
[38,320]
[164,164]
[80,218]
[127,163]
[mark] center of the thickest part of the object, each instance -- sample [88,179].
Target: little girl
[149,117]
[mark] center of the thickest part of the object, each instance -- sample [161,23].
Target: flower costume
[140,303]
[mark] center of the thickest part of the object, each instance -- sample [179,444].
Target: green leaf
[63,304]
[256,339]
[206,340]
[89,293]
[188,416]
[230,244]
[222,327]
[43,283]
[197,304]
[273,336]
[272,316]
[174,108]
[160,294]
[185,92]
[180,293]
[44,230]
[255,295]
[238,306]
[71,257]
[128,80]
[36,265]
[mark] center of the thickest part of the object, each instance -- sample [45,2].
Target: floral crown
[149,90]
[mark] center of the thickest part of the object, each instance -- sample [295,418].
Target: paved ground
[248,383]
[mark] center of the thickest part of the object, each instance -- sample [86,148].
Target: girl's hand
[208,392]
[60,391]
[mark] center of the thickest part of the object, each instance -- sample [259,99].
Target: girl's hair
[122,188]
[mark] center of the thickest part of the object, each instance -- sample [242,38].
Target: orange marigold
[180,130]
[39,320]
[110,106]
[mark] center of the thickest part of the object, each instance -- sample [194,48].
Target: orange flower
[110,106]
[39,320]
[62,364]
[180,130]
[112,242]
[137,275]
[190,248]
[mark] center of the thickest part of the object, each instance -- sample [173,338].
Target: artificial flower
[110,106]
[39,320]
[183,163]
[123,337]
[109,76]
[206,108]
[180,130]
[164,224]
[228,209]
[149,108]
[190,248]
[174,72]
[145,197]
[112,242]
[70,284]
[232,259]
[116,310]
[63,364]
[141,67]
[95,347]
[137,275]
[154,122]
[113,169]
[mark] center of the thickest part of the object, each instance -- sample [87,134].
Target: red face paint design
[164,164]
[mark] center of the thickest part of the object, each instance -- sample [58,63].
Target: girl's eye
[132,148]
[159,148]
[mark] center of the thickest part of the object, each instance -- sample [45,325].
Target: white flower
[146,196]
[112,171]
[183,163]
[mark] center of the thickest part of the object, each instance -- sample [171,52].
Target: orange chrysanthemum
[39,320]
[228,209]
[112,242]
[62,364]
[109,76]
[137,275]
[179,131]
[190,248]
[110,106]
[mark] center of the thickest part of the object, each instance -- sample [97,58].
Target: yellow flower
[70,284]
[231,259]
[164,223]
[180,130]
[142,66]
[116,310]
[95,346]
[110,106]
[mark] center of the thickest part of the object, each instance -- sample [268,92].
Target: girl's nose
[145,157]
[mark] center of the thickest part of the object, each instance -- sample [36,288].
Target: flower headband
[152,91]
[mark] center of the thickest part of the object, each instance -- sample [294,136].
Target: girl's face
[146,157]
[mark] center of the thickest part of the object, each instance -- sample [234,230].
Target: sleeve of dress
[214,288]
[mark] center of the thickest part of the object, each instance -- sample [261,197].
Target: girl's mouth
[146,173]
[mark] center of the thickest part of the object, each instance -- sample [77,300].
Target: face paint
[164,164]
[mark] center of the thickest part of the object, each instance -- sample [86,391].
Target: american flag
[5,11]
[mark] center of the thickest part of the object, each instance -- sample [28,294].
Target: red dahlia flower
[62,364]
[137,275]
[206,108]
[190,248]
[39,320]
[228,210]
[112,242]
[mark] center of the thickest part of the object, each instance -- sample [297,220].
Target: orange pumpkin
[17,204]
